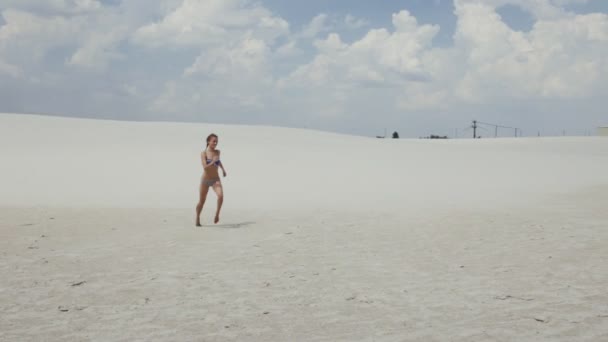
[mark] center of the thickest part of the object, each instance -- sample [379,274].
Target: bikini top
[218,162]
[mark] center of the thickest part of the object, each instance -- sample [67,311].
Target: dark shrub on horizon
[433,136]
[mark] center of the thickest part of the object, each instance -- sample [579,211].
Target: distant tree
[433,136]
[395,135]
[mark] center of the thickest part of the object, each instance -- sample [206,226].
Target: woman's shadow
[229,225]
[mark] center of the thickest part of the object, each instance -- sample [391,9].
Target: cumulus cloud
[379,56]
[27,37]
[185,59]
[198,23]
[247,58]
[99,49]
[236,43]
[10,70]
[316,26]
[553,60]
[89,40]
[560,58]
[54,7]
[353,22]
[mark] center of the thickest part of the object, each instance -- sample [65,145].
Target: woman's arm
[221,165]
[204,161]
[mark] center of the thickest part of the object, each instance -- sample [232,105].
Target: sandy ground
[527,274]
[410,252]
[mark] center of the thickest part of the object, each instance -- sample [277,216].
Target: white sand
[324,237]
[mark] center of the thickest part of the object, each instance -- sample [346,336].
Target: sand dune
[49,161]
[324,237]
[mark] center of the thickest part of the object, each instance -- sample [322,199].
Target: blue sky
[419,67]
[377,13]
[440,12]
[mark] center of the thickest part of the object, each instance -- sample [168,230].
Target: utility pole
[474,129]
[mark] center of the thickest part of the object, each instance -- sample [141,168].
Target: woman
[211,178]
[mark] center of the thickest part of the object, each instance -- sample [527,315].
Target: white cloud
[247,58]
[568,2]
[540,9]
[99,49]
[54,7]
[316,26]
[288,49]
[380,56]
[331,44]
[185,59]
[199,23]
[352,22]
[233,72]
[26,37]
[9,69]
[85,32]
[553,60]
[562,57]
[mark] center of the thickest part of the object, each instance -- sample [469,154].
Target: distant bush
[432,136]
[395,135]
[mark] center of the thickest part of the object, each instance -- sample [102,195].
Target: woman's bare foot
[217,219]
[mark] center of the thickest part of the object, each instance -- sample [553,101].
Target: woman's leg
[203,190]
[217,187]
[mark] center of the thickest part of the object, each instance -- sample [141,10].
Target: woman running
[211,178]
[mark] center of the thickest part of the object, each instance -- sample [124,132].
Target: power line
[496,127]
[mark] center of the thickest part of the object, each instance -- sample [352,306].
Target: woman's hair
[211,136]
